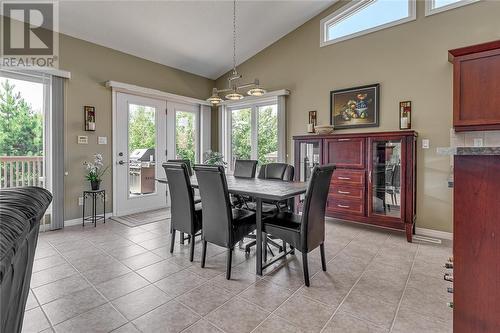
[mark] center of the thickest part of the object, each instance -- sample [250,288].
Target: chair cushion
[198,214]
[267,208]
[285,220]
[243,224]
[285,226]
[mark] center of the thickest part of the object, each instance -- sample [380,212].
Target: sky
[32,92]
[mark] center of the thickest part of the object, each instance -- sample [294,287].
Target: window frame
[350,9]
[254,106]
[430,10]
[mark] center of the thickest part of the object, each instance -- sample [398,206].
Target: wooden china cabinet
[375,179]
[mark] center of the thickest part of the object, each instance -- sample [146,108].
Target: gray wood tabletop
[258,188]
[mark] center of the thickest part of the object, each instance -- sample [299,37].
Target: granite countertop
[468,151]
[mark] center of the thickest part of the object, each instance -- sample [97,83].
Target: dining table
[260,190]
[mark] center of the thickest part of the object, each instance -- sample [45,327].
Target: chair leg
[191,248]
[228,264]
[203,253]
[322,252]
[305,268]
[172,241]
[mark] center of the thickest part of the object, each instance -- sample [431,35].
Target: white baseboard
[434,233]
[78,221]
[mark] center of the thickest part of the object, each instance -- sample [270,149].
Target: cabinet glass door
[310,156]
[386,177]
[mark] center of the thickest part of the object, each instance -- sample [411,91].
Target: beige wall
[90,66]
[410,63]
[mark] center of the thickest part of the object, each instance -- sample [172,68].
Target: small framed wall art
[405,115]
[89,117]
[313,121]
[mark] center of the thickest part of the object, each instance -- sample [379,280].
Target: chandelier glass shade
[214,99]
[234,95]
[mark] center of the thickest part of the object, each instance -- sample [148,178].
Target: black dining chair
[222,225]
[269,207]
[306,232]
[187,162]
[272,171]
[243,169]
[186,216]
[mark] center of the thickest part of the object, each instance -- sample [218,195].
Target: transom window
[362,17]
[437,6]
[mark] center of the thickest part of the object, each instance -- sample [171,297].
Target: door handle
[344,178]
[122,162]
[343,206]
[343,192]
[344,139]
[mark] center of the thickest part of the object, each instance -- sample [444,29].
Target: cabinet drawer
[346,206]
[347,192]
[345,152]
[348,177]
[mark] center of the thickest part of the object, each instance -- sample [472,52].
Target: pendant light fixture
[233,88]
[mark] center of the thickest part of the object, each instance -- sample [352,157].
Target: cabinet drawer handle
[344,140]
[344,178]
[343,206]
[343,192]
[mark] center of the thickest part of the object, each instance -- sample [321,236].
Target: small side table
[94,195]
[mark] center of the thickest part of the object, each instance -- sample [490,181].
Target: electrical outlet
[425,144]
[102,140]
[478,142]
[80,201]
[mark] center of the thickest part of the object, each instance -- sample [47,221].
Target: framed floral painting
[355,107]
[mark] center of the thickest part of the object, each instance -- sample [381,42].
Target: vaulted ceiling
[194,36]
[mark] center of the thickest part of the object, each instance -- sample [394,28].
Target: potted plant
[213,158]
[95,171]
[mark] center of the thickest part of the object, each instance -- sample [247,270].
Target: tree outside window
[185,138]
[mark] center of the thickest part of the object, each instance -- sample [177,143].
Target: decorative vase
[95,185]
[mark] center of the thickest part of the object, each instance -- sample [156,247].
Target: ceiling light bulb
[256,92]
[234,96]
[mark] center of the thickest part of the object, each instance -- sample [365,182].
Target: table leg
[83,212]
[95,210]
[104,206]
[258,242]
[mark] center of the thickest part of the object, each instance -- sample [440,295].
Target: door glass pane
[21,133]
[241,134]
[141,147]
[309,158]
[185,138]
[386,173]
[267,135]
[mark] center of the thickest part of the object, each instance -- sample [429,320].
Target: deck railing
[16,171]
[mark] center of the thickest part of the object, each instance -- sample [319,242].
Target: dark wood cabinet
[476,244]
[374,181]
[476,87]
[345,152]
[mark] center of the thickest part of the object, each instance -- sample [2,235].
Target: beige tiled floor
[122,279]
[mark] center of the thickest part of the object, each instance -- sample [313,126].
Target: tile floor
[122,279]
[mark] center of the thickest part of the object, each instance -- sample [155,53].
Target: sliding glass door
[24,132]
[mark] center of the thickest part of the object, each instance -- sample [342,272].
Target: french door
[140,148]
